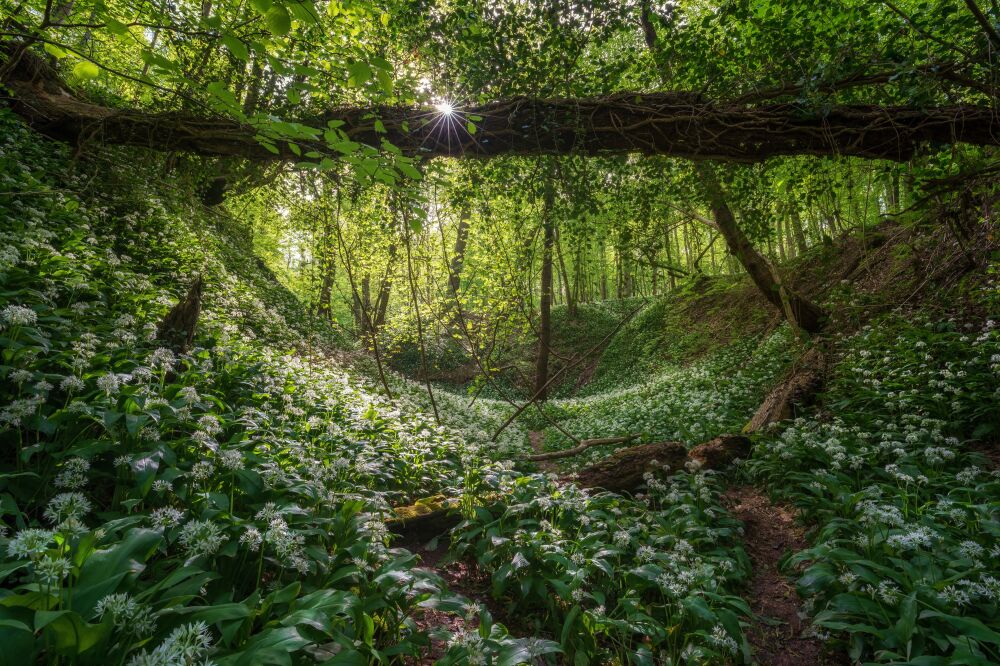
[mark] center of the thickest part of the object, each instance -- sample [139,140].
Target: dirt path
[770,532]
[460,578]
[537,439]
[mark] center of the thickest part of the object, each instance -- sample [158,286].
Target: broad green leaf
[236,46]
[86,70]
[55,51]
[278,20]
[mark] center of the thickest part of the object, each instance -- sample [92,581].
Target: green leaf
[968,626]
[408,170]
[358,74]
[72,634]
[236,46]
[86,70]
[278,21]
[105,570]
[262,6]
[304,12]
[55,51]
[116,27]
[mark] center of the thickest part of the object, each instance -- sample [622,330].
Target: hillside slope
[228,501]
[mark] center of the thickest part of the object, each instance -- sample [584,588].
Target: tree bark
[458,256]
[800,312]
[178,327]
[545,298]
[680,124]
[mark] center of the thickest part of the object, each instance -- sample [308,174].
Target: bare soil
[778,635]
[537,439]
[460,578]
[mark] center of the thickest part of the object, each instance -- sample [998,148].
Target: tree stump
[177,328]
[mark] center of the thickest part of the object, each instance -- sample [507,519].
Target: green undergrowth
[600,570]
[225,505]
[700,316]
[904,565]
[690,403]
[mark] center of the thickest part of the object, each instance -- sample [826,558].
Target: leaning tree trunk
[800,311]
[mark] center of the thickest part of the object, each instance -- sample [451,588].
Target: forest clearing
[605,332]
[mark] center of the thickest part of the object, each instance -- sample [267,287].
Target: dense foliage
[377,337]
[905,557]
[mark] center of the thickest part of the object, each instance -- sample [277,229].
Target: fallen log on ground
[624,470]
[795,391]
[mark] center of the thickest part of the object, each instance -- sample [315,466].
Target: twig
[559,373]
[584,445]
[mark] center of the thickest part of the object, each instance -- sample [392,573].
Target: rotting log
[797,390]
[624,470]
[621,472]
[425,518]
[679,124]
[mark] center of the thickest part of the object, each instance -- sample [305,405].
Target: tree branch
[678,124]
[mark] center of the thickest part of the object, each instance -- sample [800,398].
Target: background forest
[499,332]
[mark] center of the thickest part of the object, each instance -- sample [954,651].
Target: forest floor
[537,440]
[777,634]
[461,577]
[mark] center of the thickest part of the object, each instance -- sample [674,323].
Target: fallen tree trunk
[680,124]
[624,471]
[796,390]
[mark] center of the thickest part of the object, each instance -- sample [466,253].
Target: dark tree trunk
[800,312]
[178,327]
[545,298]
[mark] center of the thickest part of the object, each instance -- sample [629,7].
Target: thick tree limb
[677,124]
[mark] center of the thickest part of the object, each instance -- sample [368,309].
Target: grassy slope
[234,494]
[228,503]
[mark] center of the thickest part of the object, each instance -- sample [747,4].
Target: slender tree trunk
[416,313]
[564,278]
[668,244]
[781,240]
[545,298]
[796,221]
[458,256]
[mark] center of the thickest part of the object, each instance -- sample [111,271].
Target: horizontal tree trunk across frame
[666,123]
